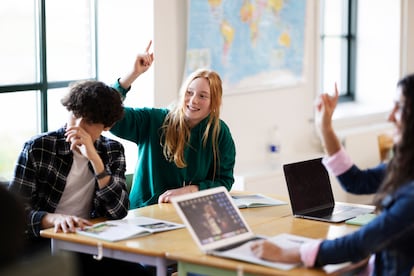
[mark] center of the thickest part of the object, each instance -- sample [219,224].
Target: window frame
[43,85]
[348,53]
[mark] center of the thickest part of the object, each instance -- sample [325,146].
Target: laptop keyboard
[231,246]
[349,210]
[340,209]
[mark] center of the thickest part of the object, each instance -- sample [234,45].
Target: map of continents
[252,44]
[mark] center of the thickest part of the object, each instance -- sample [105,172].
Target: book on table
[255,200]
[117,230]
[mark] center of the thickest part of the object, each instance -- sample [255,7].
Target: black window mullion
[352,23]
[348,52]
[43,66]
[95,19]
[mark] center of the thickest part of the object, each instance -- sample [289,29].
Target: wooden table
[165,248]
[191,259]
[150,250]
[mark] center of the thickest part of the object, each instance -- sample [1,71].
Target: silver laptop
[217,226]
[311,193]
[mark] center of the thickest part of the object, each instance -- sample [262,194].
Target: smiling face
[197,101]
[396,114]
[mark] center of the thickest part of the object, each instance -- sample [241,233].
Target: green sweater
[154,174]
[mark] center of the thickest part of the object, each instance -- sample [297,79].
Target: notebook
[311,195]
[217,226]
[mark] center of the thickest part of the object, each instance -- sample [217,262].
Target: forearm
[99,168]
[330,141]
[127,80]
[112,200]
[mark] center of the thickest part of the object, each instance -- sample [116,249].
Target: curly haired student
[73,174]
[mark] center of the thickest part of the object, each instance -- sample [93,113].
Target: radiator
[361,143]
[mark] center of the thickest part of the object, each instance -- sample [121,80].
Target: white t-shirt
[77,197]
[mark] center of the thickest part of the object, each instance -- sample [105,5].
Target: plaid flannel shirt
[43,166]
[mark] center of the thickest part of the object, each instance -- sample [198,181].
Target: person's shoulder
[108,142]
[45,137]
[224,126]
[407,190]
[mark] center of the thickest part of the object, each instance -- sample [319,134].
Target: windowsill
[351,115]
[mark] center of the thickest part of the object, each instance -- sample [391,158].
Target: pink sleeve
[309,251]
[338,163]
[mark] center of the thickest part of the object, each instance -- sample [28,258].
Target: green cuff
[120,89]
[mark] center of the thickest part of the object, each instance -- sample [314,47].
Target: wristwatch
[101,175]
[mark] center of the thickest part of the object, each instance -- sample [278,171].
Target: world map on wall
[252,44]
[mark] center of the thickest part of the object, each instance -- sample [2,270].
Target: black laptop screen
[213,217]
[309,186]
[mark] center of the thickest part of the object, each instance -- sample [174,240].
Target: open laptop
[311,193]
[217,226]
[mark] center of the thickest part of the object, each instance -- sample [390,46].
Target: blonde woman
[181,149]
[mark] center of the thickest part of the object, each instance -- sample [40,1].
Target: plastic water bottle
[274,148]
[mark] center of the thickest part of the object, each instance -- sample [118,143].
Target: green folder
[361,219]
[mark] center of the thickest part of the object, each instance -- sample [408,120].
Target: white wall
[251,115]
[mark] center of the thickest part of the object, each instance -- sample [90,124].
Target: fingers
[318,103]
[336,90]
[257,248]
[146,60]
[81,223]
[165,197]
[148,47]
[68,224]
[77,137]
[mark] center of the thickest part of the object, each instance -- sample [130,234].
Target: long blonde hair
[176,130]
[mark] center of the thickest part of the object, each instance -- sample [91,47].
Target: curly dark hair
[94,101]
[400,168]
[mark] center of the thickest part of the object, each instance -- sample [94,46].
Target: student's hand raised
[144,61]
[141,64]
[325,106]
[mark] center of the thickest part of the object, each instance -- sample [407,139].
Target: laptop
[311,195]
[217,226]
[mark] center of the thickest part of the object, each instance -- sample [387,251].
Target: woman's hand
[271,252]
[167,195]
[325,106]
[142,63]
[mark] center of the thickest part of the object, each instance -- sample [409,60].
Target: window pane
[70,43]
[18,46]
[57,113]
[115,58]
[22,108]
[332,65]
[335,17]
